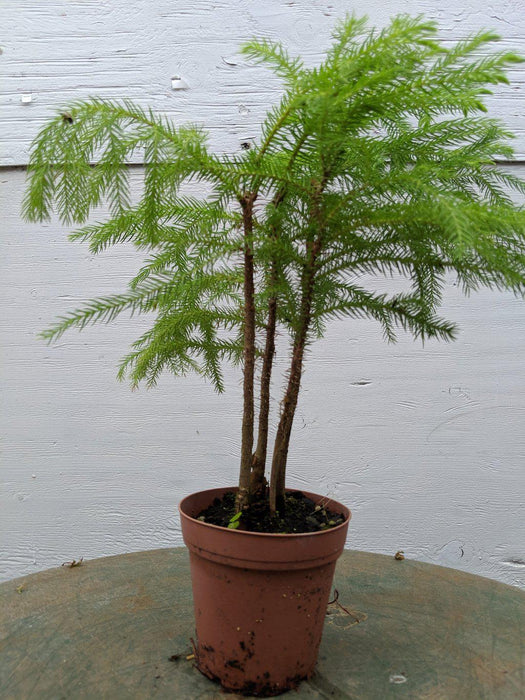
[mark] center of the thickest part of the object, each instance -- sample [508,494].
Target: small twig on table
[195,654]
[71,564]
[336,602]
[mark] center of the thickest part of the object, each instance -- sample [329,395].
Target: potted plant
[376,162]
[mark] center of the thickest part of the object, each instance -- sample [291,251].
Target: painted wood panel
[57,51]
[426,445]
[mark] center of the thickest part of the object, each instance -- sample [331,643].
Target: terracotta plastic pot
[260,599]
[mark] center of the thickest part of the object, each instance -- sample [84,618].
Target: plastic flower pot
[260,599]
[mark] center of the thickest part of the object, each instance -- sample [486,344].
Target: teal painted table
[118,628]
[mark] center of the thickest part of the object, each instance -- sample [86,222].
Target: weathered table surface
[107,629]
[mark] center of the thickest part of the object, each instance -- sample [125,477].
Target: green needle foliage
[379,161]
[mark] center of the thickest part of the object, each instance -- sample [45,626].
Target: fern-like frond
[274,53]
[379,161]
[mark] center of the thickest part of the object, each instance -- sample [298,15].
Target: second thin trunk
[258,480]
[284,429]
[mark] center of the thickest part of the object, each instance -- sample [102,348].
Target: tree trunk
[258,481]
[243,494]
[284,429]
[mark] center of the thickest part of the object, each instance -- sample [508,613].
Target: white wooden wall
[427,446]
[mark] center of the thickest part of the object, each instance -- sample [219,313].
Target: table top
[120,627]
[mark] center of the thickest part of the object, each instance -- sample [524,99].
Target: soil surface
[301,514]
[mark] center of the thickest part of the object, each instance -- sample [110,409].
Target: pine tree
[378,161]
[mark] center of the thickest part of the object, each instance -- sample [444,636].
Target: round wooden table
[120,627]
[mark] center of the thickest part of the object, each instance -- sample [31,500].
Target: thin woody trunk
[243,493]
[258,481]
[284,429]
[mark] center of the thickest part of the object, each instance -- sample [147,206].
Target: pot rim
[247,533]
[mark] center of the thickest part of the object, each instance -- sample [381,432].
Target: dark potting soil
[300,514]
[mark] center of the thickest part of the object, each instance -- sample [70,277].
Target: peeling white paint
[178,83]
[427,446]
